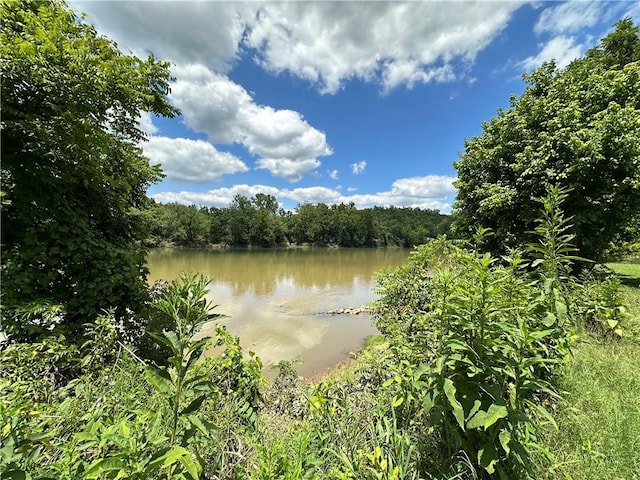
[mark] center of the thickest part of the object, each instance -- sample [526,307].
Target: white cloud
[328,43]
[569,17]
[285,143]
[325,43]
[312,195]
[220,197]
[409,72]
[205,32]
[431,191]
[292,170]
[358,168]
[562,49]
[189,160]
[146,123]
[333,174]
[437,186]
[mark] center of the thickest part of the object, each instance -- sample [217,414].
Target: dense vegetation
[488,366]
[73,174]
[577,127]
[465,385]
[258,221]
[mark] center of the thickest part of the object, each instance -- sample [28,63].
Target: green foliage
[258,222]
[73,173]
[43,366]
[109,422]
[579,128]
[480,344]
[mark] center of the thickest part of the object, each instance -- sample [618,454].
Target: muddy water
[276,300]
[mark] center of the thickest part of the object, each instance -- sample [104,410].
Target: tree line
[259,221]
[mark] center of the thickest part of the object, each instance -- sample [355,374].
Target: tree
[578,128]
[189,225]
[73,173]
[241,211]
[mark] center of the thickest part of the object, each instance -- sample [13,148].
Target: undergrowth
[487,367]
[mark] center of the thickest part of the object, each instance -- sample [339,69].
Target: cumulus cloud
[285,143]
[561,49]
[358,168]
[430,186]
[392,43]
[325,43]
[431,191]
[220,197]
[333,174]
[203,32]
[189,160]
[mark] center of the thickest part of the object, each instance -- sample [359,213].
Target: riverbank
[598,434]
[598,420]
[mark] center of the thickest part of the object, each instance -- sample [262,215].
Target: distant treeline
[258,221]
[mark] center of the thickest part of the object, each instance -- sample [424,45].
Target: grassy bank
[598,434]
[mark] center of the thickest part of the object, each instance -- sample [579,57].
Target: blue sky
[364,102]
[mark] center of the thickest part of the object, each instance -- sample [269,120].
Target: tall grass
[598,434]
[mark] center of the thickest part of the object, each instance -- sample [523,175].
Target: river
[276,300]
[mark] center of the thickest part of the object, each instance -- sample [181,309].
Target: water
[276,300]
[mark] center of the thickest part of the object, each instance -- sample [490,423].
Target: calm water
[276,299]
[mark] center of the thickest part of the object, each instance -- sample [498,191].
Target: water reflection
[275,299]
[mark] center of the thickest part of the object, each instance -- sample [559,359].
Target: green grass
[598,434]
[629,273]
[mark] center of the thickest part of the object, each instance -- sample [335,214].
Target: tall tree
[578,128]
[73,173]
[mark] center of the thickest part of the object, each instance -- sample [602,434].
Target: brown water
[276,300]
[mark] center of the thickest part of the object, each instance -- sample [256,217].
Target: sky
[363,102]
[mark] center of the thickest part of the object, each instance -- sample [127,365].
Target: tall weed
[478,352]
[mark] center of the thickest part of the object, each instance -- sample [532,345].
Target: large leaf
[450,392]
[194,405]
[495,413]
[160,380]
[505,439]
[97,468]
[488,457]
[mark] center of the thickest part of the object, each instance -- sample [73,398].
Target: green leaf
[160,380]
[487,458]
[549,320]
[160,338]
[194,405]
[14,475]
[474,409]
[495,413]
[167,457]
[196,349]
[450,392]
[191,466]
[505,438]
[397,401]
[97,468]
[477,420]
[203,425]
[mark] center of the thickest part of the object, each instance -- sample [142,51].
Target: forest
[511,351]
[259,222]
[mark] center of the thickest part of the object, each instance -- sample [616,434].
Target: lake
[276,300]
